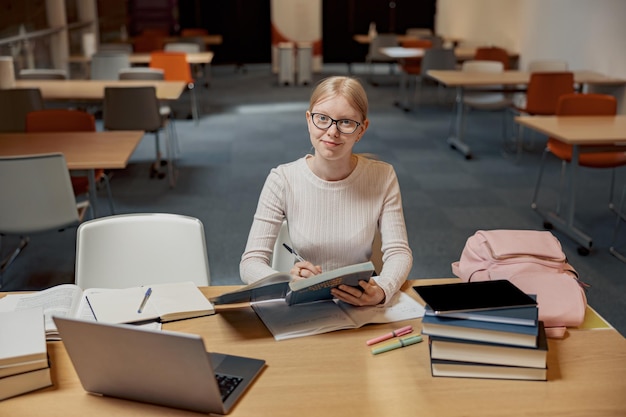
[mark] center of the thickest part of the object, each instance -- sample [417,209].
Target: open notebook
[159,367]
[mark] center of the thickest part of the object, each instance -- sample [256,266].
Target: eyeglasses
[345,126]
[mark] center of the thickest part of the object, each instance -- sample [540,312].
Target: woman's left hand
[369,294]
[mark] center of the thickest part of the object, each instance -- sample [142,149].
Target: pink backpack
[534,261]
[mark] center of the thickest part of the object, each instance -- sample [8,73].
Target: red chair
[63,120]
[493,53]
[583,105]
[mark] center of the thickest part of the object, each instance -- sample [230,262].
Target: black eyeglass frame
[335,122]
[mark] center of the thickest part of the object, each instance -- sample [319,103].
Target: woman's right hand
[305,269]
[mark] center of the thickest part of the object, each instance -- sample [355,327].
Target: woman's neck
[332,170]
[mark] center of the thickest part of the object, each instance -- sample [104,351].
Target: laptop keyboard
[227,384]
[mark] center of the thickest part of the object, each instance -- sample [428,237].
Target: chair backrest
[186,47]
[174,64]
[131,108]
[483,98]
[141,73]
[43,74]
[586,105]
[139,249]
[493,53]
[15,103]
[544,90]
[381,40]
[126,48]
[482,66]
[547,65]
[107,65]
[31,204]
[149,40]
[438,59]
[60,120]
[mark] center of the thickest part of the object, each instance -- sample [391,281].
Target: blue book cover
[504,333]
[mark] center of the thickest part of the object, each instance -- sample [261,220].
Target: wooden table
[93,90]
[144,58]
[365,39]
[335,374]
[82,150]
[515,79]
[595,133]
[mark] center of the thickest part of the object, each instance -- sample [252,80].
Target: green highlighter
[399,343]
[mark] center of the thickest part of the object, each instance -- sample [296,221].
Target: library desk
[82,150]
[93,90]
[335,374]
[585,134]
[514,80]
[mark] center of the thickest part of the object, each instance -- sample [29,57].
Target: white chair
[283,260]
[141,249]
[107,65]
[33,205]
[490,101]
[186,47]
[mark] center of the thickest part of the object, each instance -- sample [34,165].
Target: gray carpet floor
[250,124]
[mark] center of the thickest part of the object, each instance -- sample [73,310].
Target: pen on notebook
[298,257]
[398,332]
[402,342]
[145,300]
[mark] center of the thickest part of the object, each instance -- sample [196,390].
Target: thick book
[474,296]
[456,369]
[162,302]
[282,286]
[22,342]
[13,385]
[491,353]
[522,316]
[481,331]
[287,322]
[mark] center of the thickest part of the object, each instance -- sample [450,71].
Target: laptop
[158,367]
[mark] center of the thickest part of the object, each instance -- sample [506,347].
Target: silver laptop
[157,367]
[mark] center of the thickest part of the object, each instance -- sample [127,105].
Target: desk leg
[567,225]
[93,192]
[456,138]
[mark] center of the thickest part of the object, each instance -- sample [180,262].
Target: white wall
[588,34]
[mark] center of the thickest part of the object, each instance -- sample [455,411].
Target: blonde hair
[349,88]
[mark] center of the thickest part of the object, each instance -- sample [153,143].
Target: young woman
[334,202]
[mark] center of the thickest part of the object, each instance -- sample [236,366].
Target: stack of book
[484,330]
[24,365]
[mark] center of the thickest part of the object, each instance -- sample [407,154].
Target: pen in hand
[298,257]
[145,300]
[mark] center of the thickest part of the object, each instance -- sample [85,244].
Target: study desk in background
[335,374]
[595,133]
[82,150]
[93,90]
[513,79]
[365,39]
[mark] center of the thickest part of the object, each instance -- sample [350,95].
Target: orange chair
[63,120]
[412,67]
[493,53]
[176,68]
[542,96]
[583,105]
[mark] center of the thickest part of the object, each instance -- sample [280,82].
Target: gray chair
[137,108]
[146,73]
[140,249]
[43,74]
[15,103]
[374,54]
[433,59]
[187,47]
[31,205]
[107,65]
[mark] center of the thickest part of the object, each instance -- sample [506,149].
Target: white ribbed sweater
[331,223]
